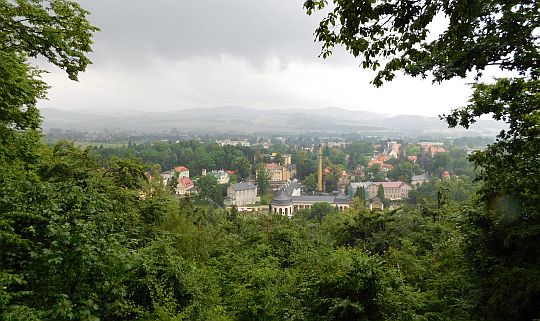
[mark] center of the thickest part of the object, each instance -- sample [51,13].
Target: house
[181,171]
[375,161]
[358,173]
[166,177]
[241,194]
[184,187]
[393,147]
[354,186]
[221,176]
[293,188]
[379,159]
[432,147]
[286,158]
[280,173]
[428,145]
[436,150]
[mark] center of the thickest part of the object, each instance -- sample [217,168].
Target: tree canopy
[394,35]
[503,228]
[54,29]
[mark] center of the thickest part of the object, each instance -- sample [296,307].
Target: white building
[184,186]
[221,176]
[285,204]
[182,171]
[227,141]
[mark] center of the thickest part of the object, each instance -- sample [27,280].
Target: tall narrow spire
[320,178]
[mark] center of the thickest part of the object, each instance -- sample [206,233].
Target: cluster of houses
[289,199]
[179,177]
[432,147]
[182,183]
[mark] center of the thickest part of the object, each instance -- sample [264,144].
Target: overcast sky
[166,55]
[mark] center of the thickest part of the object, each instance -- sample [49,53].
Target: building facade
[419,179]
[181,171]
[286,204]
[184,186]
[221,176]
[241,194]
[280,173]
[392,190]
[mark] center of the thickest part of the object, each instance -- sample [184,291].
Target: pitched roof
[282,198]
[390,184]
[185,182]
[419,177]
[290,187]
[180,169]
[272,166]
[291,167]
[218,173]
[243,186]
[342,199]
[313,199]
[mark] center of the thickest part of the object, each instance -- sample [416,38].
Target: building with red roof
[184,186]
[182,171]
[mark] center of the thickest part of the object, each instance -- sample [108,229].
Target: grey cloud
[135,31]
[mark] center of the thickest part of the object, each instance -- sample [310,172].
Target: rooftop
[272,166]
[290,187]
[243,186]
[390,184]
[186,182]
[419,177]
[180,169]
[282,198]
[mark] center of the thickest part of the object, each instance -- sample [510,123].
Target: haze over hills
[233,119]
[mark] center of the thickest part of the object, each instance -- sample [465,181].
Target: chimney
[320,180]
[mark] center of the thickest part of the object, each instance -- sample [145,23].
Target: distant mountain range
[248,120]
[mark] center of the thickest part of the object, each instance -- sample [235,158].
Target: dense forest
[88,238]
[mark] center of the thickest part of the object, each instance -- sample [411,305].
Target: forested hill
[247,120]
